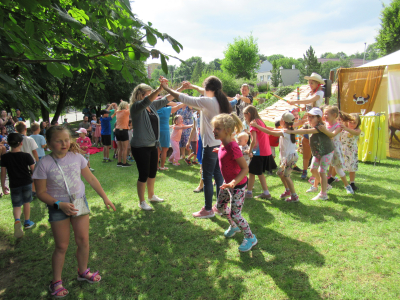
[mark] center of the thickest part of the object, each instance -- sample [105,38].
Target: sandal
[197,190]
[54,292]
[163,168]
[82,277]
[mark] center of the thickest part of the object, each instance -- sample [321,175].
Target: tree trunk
[63,96]
[44,112]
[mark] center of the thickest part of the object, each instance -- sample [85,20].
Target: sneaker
[18,233]
[204,214]
[349,189]
[297,169]
[312,189]
[353,186]
[155,198]
[231,231]
[263,196]
[143,205]
[285,194]
[304,175]
[28,224]
[249,195]
[195,162]
[119,164]
[126,165]
[176,164]
[188,162]
[247,244]
[293,199]
[331,180]
[216,211]
[328,187]
[337,179]
[105,160]
[109,160]
[91,169]
[320,197]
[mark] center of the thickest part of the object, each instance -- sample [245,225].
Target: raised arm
[326,131]
[178,107]
[266,130]
[301,131]
[305,101]
[351,131]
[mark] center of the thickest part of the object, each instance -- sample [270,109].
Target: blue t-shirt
[164,114]
[40,141]
[105,125]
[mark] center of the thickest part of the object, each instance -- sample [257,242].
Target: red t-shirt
[262,147]
[274,141]
[84,143]
[227,156]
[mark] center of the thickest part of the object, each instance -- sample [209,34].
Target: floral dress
[337,159]
[187,115]
[350,151]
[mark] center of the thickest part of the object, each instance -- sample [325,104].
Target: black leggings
[146,159]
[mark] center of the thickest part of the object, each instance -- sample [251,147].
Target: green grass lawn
[344,248]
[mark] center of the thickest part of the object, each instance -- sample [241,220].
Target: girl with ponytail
[234,170]
[213,103]
[287,154]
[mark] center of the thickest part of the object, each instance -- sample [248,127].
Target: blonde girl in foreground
[287,153]
[234,170]
[51,189]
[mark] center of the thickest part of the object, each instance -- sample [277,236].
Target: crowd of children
[332,135]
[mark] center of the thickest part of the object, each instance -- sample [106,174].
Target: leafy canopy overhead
[388,39]
[72,35]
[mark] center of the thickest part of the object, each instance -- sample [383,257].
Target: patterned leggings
[233,213]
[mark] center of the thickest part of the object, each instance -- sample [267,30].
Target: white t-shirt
[209,108]
[286,147]
[317,103]
[28,145]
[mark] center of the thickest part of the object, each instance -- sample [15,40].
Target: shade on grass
[344,248]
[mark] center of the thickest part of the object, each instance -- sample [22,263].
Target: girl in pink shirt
[234,169]
[175,138]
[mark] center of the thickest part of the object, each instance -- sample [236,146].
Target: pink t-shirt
[262,147]
[71,164]
[84,142]
[227,156]
[176,133]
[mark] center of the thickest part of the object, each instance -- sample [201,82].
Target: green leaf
[127,75]
[93,35]
[151,39]
[115,62]
[164,65]
[74,61]
[12,19]
[131,53]
[29,5]
[29,28]
[67,18]
[65,70]
[126,21]
[7,79]
[83,60]
[54,70]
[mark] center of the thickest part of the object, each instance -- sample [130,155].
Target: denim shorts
[58,215]
[21,195]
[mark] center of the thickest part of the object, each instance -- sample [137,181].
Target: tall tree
[273,57]
[185,70]
[388,39]
[276,78]
[241,58]
[310,63]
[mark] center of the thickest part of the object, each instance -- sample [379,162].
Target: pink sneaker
[215,210]
[293,199]
[285,194]
[204,214]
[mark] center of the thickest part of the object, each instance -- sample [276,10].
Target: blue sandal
[54,291]
[82,277]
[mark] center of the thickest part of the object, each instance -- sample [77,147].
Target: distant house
[150,68]
[264,72]
[290,76]
[356,61]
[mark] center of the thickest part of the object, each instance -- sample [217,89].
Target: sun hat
[288,117]
[315,111]
[82,130]
[316,77]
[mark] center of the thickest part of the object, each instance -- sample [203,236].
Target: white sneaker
[156,199]
[349,189]
[143,205]
[312,189]
[320,197]
[91,169]
[328,187]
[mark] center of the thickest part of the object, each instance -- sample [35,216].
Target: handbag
[78,203]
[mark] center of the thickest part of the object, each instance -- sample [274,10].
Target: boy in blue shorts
[16,164]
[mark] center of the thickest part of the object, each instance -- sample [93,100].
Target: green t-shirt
[112,123]
[320,143]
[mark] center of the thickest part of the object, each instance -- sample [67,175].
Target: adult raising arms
[215,102]
[145,138]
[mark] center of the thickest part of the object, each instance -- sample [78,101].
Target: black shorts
[106,140]
[193,145]
[121,135]
[260,164]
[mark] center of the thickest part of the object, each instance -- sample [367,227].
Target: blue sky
[288,27]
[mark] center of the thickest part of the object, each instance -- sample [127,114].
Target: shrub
[283,91]
[263,86]
[266,104]
[255,102]
[229,84]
